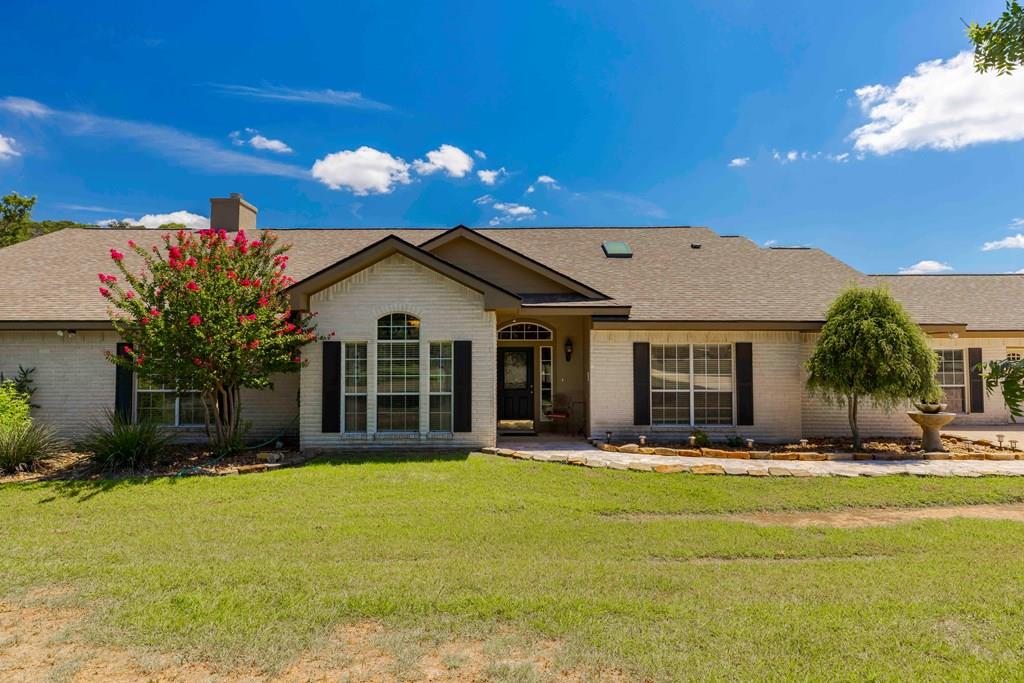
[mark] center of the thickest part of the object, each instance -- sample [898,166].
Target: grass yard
[458,567]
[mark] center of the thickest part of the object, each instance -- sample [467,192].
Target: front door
[515,383]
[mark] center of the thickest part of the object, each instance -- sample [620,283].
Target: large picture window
[951,378]
[398,373]
[355,387]
[691,384]
[161,404]
[441,374]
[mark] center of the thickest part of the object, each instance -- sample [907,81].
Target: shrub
[701,438]
[735,442]
[14,408]
[119,444]
[26,443]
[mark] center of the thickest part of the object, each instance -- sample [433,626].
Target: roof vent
[694,245]
[617,250]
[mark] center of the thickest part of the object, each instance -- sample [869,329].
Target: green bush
[119,444]
[701,438]
[25,443]
[14,408]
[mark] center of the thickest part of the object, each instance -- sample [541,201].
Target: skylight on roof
[617,250]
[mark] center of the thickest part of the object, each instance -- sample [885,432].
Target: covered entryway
[541,375]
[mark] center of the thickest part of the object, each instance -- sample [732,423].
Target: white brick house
[446,338]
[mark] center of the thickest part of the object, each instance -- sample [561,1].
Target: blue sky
[747,117]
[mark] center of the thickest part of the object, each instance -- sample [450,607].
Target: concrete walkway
[577,452]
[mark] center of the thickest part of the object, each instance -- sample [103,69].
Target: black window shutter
[977,383]
[744,383]
[330,404]
[123,386]
[641,383]
[462,386]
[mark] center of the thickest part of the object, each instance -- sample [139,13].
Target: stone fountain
[931,423]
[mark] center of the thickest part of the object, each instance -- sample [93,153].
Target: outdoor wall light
[607,437]
[568,350]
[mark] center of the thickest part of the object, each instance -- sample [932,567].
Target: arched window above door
[525,332]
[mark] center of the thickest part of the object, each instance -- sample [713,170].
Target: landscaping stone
[863,456]
[838,456]
[785,455]
[490,450]
[735,468]
[757,473]
[670,469]
[802,473]
[617,465]
[629,448]
[648,451]
[1000,456]
[707,469]
[269,456]
[694,453]
[780,472]
[719,453]
[506,452]
[760,455]
[641,467]
[665,451]
[608,447]
[813,456]
[938,455]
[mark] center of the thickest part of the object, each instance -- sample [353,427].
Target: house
[449,337]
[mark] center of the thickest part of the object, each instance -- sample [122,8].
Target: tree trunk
[223,413]
[851,414]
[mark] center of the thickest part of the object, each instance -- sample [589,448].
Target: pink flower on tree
[131,243]
[192,286]
[195,320]
[116,255]
[105,292]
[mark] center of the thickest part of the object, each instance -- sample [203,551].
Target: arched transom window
[398,373]
[525,331]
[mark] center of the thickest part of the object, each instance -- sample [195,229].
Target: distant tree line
[16,224]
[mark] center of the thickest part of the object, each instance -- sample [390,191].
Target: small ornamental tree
[208,313]
[870,348]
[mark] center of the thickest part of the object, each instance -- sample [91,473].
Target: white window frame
[382,343]
[691,391]
[963,385]
[177,404]
[551,388]
[541,332]
[450,393]
[345,393]
[1014,353]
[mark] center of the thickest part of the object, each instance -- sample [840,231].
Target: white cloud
[453,161]
[1012,242]
[512,213]
[89,207]
[257,141]
[191,221]
[838,158]
[491,177]
[181,147]
[770,243]
[7,149]
[739,162]
[483,200]
[943,105]
[362,171]
[544,180]
[336,98]
[479,154]
[926,268]
[1017,223]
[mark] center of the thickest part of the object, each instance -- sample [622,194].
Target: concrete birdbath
[931,423]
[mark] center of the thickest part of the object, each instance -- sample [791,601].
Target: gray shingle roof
[53,277]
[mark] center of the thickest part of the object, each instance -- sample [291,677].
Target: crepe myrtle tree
[870,349]
[207,312]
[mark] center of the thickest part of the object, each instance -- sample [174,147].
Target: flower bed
[834,449]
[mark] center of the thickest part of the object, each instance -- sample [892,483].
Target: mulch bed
[184,460]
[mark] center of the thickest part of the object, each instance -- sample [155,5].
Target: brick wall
[777,386]
[75,385]
[448,311]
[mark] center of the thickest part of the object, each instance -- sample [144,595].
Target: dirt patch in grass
[849,519]
[40,642]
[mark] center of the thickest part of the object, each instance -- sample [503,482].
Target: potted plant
[931,401]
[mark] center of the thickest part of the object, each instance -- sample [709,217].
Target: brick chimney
[232,213]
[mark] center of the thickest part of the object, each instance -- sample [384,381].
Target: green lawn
[261,568]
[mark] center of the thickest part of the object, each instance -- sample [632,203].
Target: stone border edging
[702,452]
